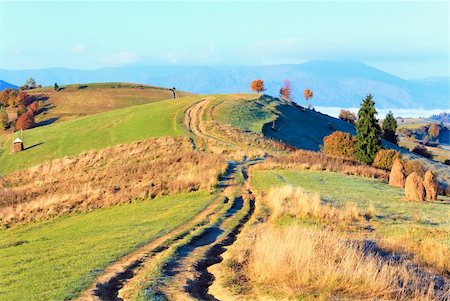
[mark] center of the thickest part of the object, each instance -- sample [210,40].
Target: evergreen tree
[31,83]
[390,128]
[367,132]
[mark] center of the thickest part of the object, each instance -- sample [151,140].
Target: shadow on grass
[34,145]
[46,121]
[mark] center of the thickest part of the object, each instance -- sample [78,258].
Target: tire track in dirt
[186,276]
[108,285]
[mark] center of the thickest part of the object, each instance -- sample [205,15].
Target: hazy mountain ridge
[335,83]
[4,85]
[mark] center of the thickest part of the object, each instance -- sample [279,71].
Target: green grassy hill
[97,131]
[304,129]
[73,101]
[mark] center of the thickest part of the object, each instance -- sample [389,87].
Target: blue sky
[406,38]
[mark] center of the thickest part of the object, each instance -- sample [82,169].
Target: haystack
[430,185]
[397,176]
[414,189]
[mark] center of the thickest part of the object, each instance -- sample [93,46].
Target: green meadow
[57,259]
[163,118]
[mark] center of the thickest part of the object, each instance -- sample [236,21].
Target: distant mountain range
[4,85]
[334,83]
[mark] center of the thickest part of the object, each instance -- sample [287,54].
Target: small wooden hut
[17,146]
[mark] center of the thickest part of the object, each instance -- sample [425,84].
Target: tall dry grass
[294,201]
[102,178]
[432,254]
[297,261]
[294,261]
[303,159]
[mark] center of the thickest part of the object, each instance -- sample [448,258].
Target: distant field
[56,260]
[96,132]
[78,100]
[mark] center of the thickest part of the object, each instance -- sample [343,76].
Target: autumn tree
[390,128]
[285,91]
[25,121]
[308,94]
[3,118]
[433,131]
[347,116]
[257,85]
[7,96]
[22,99]
[34,107]
[367,132]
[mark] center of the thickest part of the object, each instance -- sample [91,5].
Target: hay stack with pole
[397,176]
[430,185]
[17,145]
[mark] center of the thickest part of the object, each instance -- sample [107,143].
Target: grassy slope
[395,216]
[55,260]
[247,112]
[98,131]
[302,129]
[73,101]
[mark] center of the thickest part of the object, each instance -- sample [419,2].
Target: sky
[406,38]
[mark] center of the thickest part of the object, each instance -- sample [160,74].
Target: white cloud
[121,58]
[78,49]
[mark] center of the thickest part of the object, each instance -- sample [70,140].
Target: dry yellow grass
[74,101]
[427,252]
[295,261]
[110,176]
[296,202]
[298,261]
[302,159]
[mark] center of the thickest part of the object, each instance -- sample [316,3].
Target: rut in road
[108,285]
[195,256]
[186,276]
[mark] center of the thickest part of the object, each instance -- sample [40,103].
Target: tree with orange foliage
[25,121]
[308,94]
[257,85]
[285,91]
[22,99]
[34,107]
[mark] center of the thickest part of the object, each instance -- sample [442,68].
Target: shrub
[414,166]
[347,116]
[25,121]
[423,151]
[385,158]
[339,144]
